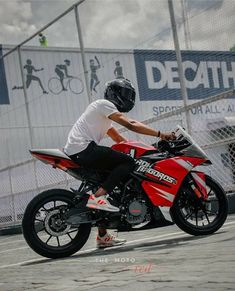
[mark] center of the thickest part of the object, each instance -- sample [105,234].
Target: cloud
[14,21]
[120,23]
[19,19]
[213,29]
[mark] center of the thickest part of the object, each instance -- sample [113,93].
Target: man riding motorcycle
[83,144]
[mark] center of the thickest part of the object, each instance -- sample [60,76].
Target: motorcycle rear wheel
[44,229]
[192,218]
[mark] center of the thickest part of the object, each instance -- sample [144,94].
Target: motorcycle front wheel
[44,227]
[200,220]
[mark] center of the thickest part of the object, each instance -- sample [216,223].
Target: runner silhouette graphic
[30,77]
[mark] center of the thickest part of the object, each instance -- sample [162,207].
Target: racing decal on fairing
[166,212]
[132,153]
[145,168]
[185,164]
[168,196]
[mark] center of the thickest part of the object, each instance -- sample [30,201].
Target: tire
[39,222]
[54,86]
[218,208]
[76,85]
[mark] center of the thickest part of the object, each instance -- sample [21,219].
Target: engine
[137,211]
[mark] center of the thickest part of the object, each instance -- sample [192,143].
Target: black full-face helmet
[121,93]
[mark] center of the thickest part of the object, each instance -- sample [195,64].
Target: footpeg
[81,199]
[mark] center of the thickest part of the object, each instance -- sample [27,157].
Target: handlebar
[173,146]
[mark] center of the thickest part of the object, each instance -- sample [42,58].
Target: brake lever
[155,145]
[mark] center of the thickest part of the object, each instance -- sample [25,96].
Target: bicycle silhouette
[73,83]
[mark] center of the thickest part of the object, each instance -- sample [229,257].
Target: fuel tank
[134,148]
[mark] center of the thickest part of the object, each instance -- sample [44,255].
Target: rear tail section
[54,157]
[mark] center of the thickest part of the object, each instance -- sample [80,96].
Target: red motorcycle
[163,189]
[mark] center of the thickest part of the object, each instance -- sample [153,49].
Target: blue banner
[206,73]
[4,97]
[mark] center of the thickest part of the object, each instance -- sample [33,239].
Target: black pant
[104,158]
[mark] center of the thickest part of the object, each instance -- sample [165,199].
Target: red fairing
[169,175]
[139,148]
[157,195]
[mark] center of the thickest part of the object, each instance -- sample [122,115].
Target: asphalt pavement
[158,259]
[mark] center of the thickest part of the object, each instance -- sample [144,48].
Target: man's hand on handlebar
[167,136]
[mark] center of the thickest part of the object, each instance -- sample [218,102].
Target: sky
[124,24]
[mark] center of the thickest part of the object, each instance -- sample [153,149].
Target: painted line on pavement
[128,242]
[11,242]
[173,235]
[142,239]
[22,240]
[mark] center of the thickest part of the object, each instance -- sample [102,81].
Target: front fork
[198,192]
[197,183]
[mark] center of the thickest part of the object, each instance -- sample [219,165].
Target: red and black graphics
[162,178]
[147,169]
[168,180]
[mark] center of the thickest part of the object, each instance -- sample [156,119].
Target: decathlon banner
[206,73]
[4,98]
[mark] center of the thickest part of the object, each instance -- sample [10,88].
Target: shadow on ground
[145,246]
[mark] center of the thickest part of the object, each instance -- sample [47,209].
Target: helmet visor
[127,93]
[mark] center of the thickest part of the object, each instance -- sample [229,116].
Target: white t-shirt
[91,126]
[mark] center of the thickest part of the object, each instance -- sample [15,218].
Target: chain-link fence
[45,89]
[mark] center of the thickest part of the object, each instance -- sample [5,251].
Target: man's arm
[138,127]
[98,63]
[115,136]
[66,72]
[36,70]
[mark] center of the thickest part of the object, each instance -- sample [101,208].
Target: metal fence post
[13,211]
[82,53]
[179,62]
[26,99]
[35,174]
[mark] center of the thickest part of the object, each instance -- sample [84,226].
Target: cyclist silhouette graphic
[64,81]
[59,71]
[118,70]
[94,78]
[30,77]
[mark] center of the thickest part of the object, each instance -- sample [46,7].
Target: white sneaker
[108,240]
[101,203]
